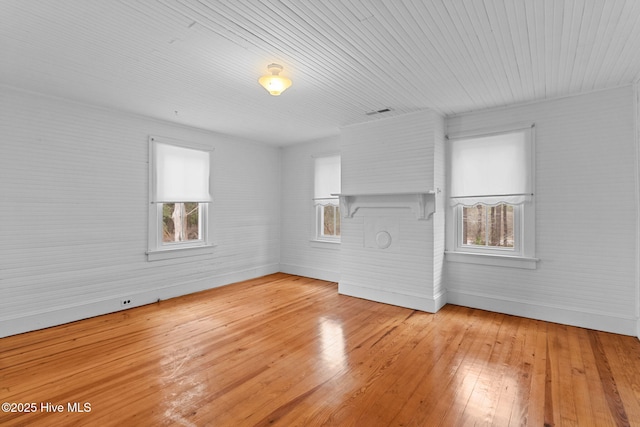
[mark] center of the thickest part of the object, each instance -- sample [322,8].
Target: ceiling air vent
[384,110]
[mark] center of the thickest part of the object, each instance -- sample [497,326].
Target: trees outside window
[330,220]
[180,222]
[490,226]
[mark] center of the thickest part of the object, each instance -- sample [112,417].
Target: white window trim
[522,256]
[320,222]
[516,250]
[492,259]
[324,244]
[156,249]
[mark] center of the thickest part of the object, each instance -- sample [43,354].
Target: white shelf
[422,203]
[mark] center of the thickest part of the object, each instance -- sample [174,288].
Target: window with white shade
[179,198]
[492,193]
[326,203]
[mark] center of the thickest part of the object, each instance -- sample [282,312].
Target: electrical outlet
[125,302]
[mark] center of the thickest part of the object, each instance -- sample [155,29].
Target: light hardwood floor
[289,351]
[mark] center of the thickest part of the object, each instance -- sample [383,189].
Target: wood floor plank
[538,348]
[595,394]
[522,369]
[580,374]
[461,366]
[289,351]
[394,383]
[609,384]
[485,385]
[564,409]
[510,396]
[623,357]
[404,382]
[447,339]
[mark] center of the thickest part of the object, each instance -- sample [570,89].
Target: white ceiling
[197,62]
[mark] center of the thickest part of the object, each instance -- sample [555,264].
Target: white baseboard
[71,313]
[599,321]
[416,302]
[239,276]
[314,273]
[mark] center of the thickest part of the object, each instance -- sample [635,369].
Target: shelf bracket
[421,203]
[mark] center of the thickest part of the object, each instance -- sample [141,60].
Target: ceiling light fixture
[274,83]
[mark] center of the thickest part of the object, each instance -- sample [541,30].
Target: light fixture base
[274,69]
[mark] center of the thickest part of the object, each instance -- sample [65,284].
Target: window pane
[473,225]
[331,221]
[501,226]
[180,222]
[489,226]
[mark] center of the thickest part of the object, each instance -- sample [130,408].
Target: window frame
[523,253]
[320,236]
[516,250]
[157,248]
[202,228]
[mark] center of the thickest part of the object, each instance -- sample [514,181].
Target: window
[180,197]
[488,226]
[491,195]
[327,206]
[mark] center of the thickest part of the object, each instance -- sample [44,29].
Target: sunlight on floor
[332,344]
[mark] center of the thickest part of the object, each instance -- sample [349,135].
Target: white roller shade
[327,179]
[492,169]
[181,174]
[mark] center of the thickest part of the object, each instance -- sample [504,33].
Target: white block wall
[389,154]
[586,213]
[73,212]
[439,169]
[299,254]
[394,155]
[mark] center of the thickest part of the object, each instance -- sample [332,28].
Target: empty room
[320,213]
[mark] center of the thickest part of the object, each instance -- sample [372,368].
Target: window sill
[172,253]
[325,244]
[492,260]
